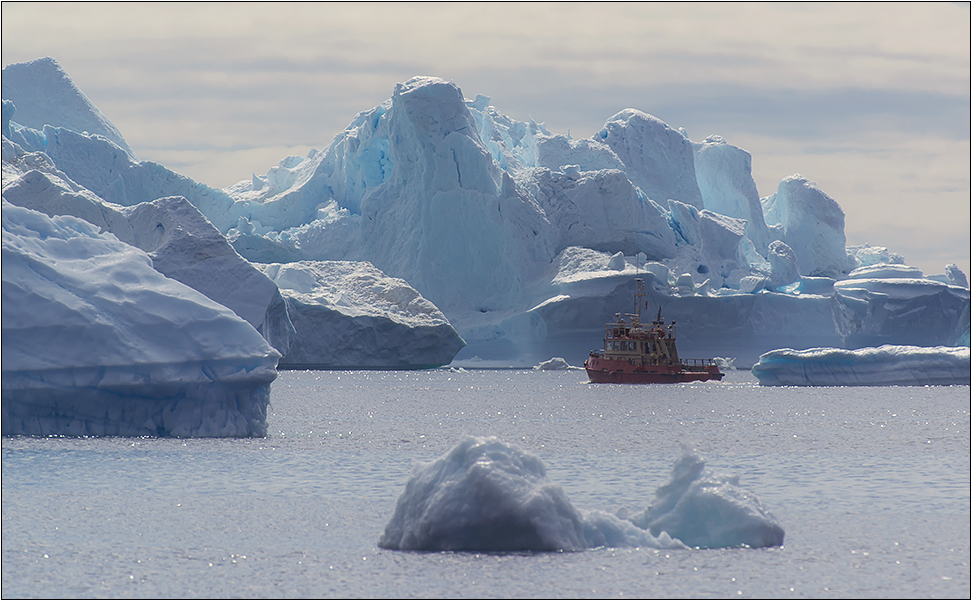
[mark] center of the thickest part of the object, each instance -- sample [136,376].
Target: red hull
[607,371]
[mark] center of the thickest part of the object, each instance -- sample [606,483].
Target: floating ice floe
[554,364]
[886,365]
[487,495]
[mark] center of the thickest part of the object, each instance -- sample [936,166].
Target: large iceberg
[489,219]
[97,342]
[487,495]
[882,366]
[482,215]
[55,168]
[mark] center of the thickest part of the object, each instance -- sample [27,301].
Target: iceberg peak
[44,94]
[657,158]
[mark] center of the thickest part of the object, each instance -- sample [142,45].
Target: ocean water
[872,486]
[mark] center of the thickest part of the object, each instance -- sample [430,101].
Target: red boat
[635,354]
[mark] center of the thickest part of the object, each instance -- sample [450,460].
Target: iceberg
[724,175]
[886,365]
[657,158]
[528,241]
[46,95]
[638,194]
[812,224]
[350,315]
[554,364]
[182,243]
[156,210]
[487,495]
[709,511]
[97,342]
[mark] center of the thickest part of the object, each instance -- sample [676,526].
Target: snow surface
[97,342]
[351,315]
[882,366]
[487,495]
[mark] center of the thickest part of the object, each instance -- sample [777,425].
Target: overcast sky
[871,101]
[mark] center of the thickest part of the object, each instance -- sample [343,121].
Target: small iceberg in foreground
[487,495]
[887,365]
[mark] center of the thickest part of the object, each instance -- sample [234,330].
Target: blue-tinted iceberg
[485,216]
[886,365]
[486,495]
[147,207]
[97,342]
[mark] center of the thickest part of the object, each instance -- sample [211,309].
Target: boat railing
[698,362]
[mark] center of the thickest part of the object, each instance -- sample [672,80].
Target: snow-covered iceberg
[350,315]
[882,366]
[97,342]
[487,495]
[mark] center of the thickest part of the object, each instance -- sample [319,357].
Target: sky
[869,100]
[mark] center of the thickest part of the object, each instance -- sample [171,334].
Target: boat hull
[606,371]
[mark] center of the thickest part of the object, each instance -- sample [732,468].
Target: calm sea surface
[871,485]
